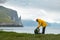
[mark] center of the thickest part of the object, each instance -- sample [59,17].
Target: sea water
[49,30]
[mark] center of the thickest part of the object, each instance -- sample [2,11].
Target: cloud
[2,1]
[48,10]
[53,5]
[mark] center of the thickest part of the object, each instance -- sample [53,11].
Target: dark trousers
[43,30]
[36,31]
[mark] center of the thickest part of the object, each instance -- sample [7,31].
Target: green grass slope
[25,36]
[4,17]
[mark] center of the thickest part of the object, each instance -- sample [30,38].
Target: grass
[4,17]
[25,36]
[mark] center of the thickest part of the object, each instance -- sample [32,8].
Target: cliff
[9,17]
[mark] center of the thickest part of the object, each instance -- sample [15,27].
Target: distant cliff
[9,17]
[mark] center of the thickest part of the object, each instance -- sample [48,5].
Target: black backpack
[36,31]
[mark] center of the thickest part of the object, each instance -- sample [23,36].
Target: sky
[48,10]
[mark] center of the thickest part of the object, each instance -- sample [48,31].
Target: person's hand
[37,27]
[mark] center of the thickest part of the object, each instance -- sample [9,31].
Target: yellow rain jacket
[41,23]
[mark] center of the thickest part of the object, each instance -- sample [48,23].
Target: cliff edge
[9,17]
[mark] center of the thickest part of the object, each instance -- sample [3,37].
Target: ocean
[49,30]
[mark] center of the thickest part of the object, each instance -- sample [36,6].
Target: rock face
[20,22]
[9,17]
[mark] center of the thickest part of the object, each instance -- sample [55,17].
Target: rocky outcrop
[20,22]
[9,17]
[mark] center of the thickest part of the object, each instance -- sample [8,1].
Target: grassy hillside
[4,17]
[25,36]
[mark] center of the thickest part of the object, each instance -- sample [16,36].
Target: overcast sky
[49,10]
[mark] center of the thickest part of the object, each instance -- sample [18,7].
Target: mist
[3,1]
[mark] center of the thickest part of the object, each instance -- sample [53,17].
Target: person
[40,23]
